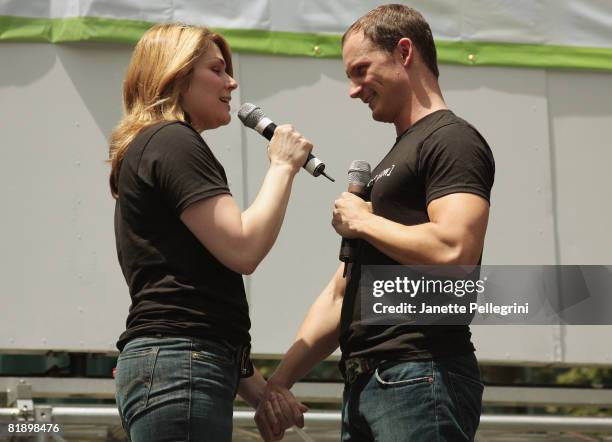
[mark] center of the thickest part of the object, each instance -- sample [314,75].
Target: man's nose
[354,90]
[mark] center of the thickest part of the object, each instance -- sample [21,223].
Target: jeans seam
[238,378]
[123,422]
[455,398]
[359,423]
[189,395]
[146,401]
[435,400]
[463,423]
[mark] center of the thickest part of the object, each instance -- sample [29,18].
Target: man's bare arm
[454,235]
[317,337]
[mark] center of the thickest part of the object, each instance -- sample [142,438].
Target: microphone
[359,175]
[252,116]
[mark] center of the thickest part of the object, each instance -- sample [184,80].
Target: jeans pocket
[133,381]
[398,374]
[467,396]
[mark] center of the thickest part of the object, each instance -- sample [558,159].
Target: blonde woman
[183,244]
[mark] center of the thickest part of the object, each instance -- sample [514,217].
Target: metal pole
[545,423]
[512,423]
[41,436]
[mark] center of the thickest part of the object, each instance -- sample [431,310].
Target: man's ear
[405,50]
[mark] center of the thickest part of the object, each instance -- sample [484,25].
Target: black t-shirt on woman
[439,155]
[177,286]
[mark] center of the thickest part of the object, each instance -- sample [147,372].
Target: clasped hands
[278,410]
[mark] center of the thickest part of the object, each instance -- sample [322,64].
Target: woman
[183,243]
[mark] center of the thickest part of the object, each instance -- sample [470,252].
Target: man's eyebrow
[354,66]
[350,68]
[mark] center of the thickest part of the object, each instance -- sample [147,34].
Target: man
[429,205]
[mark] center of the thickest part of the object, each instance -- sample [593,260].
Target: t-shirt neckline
[419,121]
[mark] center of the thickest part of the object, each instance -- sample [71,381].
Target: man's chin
[379,116]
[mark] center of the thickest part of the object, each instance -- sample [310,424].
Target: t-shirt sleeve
[456,159]
[181,167]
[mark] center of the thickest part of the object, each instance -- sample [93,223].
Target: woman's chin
[226,120]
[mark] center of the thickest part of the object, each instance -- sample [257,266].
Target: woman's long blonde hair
[161,65]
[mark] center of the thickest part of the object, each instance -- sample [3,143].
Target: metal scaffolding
[102,422]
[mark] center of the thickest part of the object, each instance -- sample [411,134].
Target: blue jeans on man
[435,400]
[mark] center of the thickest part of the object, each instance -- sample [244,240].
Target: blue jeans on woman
[177,389]
[435,400]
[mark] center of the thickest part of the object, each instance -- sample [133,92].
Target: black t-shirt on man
[438,155]
[177,286]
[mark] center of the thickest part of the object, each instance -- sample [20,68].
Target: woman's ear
[183,84]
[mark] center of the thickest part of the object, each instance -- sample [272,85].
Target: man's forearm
[301,358]
[252,389]
[419,244]
[454,235]
[318,335]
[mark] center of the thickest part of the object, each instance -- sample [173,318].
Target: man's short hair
[387,24]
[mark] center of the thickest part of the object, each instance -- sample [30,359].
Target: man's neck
[425,100]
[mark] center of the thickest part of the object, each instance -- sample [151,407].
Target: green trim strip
[61,30]
[524,55]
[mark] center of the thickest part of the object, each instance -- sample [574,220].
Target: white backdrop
[63,289]
[585,23]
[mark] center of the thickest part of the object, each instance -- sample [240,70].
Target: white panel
[312,95]
[509,108]
[62,287]
[581,114]
[581,117]
[516,344]
[587,345]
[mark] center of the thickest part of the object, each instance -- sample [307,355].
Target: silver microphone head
[359,172]
[250,115]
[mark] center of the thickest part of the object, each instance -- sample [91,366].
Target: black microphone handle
[313,165]
[268,132]
[347,249]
